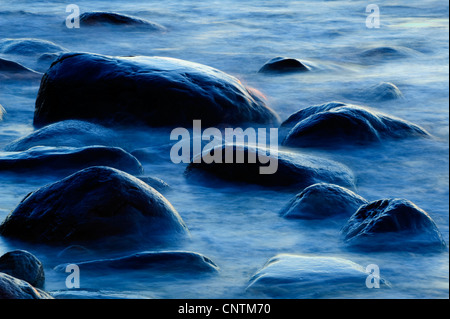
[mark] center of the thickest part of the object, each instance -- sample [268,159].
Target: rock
[392,224]
[27,46]
[150,261]
[98,205]
[387,53]
[320,201]
[14,67]
[58,160]
[13,288]
[283,65]
[286,168]
[153,91]
[155,182]
[23,265]
[383,91]
[76,253]
[298,276]
[70,133]
[336,124]
[88,19]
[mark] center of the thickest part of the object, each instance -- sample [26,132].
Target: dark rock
[13,288]
[298,276]
[321,201]
[29,47]
[387,53]
[59,160]
[23,265]
[111,18]
[283,65]
[392,224]
[164,261]
[154,91]
[70,133]
[14,67]
[289,169]
[96,205]
[336,124]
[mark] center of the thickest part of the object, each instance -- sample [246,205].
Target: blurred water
[239,228]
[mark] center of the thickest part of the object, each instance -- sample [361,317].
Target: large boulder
[23,265]
[392,224]
[155,91]
[184,262]
[70,133]
[13,288]
[284,169]
[320,201]
[335,124]
[68,159]
[99,18]
[96,205]
[299,276]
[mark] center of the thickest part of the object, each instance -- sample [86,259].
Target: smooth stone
[88,19]
[320,201]
[27,46]
[336,124]
[100,206]
[163,261]
[301,276]
[71,133]
[384,91]
[153,91]
[283,65]
[23,265]
[14,67]
[14,288]
[293,169]
[57,160]
[392,224]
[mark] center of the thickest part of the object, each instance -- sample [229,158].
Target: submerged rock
[384,91]
[336,124]
[298,276]
[14,67]
[70,133]
[112,18]
[27,46]
[283,65]
[13,288]
[321,201]
[96,204]
[164,261]
[62,159]
[392,224]
[23,265]
[153,91]
[282,168]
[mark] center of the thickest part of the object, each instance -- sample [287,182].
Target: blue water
[239,228]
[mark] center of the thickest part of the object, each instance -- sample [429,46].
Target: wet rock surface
[23,265]
[96,204]
[302,276]
[336,124]
[292,169]
[392,224]
[58,160]
[320,201]
[154,91]
[13,288]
